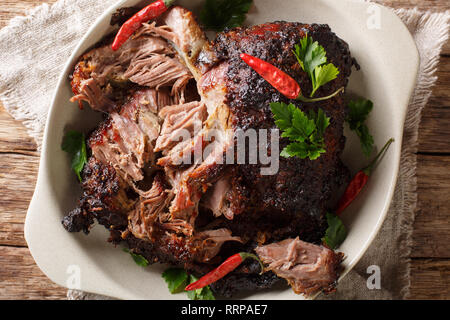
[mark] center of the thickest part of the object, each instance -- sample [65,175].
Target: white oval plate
[389,64]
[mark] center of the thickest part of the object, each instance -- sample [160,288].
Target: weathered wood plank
[11,8]
[17,180]
[434,131]
[14,136]
[431,228]
[430,279]
[20,277]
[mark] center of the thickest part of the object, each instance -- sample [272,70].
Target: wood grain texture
[17,180]
[13,135]
[431,227]
[12,8]
[430,279]
[20,278]
[434,131]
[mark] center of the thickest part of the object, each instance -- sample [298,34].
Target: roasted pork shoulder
[165,175]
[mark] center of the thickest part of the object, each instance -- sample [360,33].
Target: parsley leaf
[322,75]
[321,121]
[74,144]
[312,58]
[204,293]
[302,151]
[140,260]
[335,233]
[304,131]
[358,113]
[217,15]
[283,114]
[176,279]
[309,54]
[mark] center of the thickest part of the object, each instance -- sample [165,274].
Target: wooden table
[20,278]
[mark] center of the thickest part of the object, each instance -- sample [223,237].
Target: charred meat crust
[121,15]
[172,250]
[244,283]
[78,220]
[246,88]
[105,197]
[301,186]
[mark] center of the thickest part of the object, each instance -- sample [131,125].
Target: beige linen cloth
[34,48]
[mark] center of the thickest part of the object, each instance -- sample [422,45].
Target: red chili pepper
[149,12]
[226,267]
[359,181]
[280,80]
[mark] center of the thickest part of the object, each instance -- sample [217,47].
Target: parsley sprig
[138,259]
[305,131]
[74,144]
[312,58]
[177,279]
[217,15]
[335,233]
[204,293]
[358,112]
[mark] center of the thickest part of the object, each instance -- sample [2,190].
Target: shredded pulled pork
[126,140]
[181,122]
[147,60]
[181,30]
[179,138]
[307,267]
[158,70]
[211,242]
[150,210]
[150,220]
[216,199]
[154,120]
